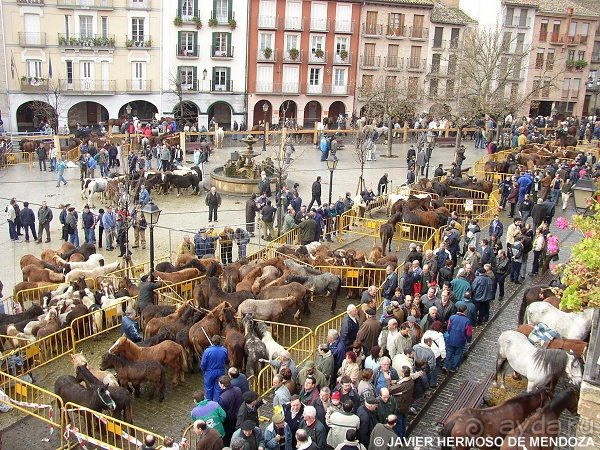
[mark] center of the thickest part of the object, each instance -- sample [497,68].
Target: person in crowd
[230,400]
[209,411]
[459,333]
[130,326]
[207,438]
[44,216]
[214,359]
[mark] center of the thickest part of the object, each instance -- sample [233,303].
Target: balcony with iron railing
[293,23]
[221,87]
[187,51]
[439,70]
[314,89]
[86,40]
[370,61]
[555,38]
[395,31]
[268,22]
[87,4]
[344,26]
[266,55]
[141,42]
[543,36]
[139,85]
[30,2]
[445,44]
[188,86]
[293,56]
[88,87]
[416,64]
[185,15]
[418,33]
[343,57]
[319,24]
[139,4]
[517,22]
[222,19]
[34,84]
[217,52]
[564,93]
[32,39]
[317,57]
[268,87]
[334,89]
[372,29]
[393,63]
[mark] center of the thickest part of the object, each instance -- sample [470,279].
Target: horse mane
[87,375]
[551,360]
[212,269]
[298,278]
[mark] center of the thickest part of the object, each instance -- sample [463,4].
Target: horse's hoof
[494,384]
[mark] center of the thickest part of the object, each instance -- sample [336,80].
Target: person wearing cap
[130,327]
[369,331]
[310,369]
[315,429]
[214,359]
[252,436]
[325,363]
[278,435]
[209,411]
[249,408]
[204,244]
[368,419]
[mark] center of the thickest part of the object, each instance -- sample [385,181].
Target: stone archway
[31,114]
[186,111]
[86,114]
[221,112]
[439,110]
[336,109]
[312,113]
[259,114]
[141,109]
[288,110]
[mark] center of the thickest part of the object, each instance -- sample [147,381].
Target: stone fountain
[240,174]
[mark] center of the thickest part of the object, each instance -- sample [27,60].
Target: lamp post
[594,87]
[265,109]
[331,165]
[128,110]
[428,150]
[582,191]
[152,212]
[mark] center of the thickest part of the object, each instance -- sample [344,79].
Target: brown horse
[152,311]
[271,309]
[78,359]
[269,273]
[208,326]
[493,422]
[531,295]
[234,340]
[126,284]
[209,294]
[230,277]
[578,346]
[387,230]
[177,277]
[173,321]
[34,274]
[136,373]
[543,423]
[248,280]
[168,353]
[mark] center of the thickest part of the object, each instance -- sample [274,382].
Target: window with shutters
[435,62]
[137,29]
[438,35]
[264,78]
[539,59]
[371,25]
[187,9]
[367,82]
[395,24]
[550,59]
[86,28]
[34,68]
[104,26]
[454,37]
[571,55]
[369,55]
[67,25]
[433,87]
[581,55]
[222,10]
[452,64]
[543,31]
[220,81]
[415,57]
[314,76]
[449,88]
[222,45]
[413,83]
[575,87]
[390,82]
[187,77]
[187,44]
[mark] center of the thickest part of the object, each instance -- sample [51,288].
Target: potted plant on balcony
[267,52]
[294,53]
[319,53]
[570,64]
[197,22]
[178,21]
[344,55]
[212,22]
[232,24]
[62,40]
[580,64]
[129,43]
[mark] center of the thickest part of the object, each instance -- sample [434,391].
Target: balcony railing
[333,89]
[80,40]
[87,4]
[393,63]
[314,88]
[345,58]
[221,87]
[293,57]
[191,85]
[139,85]
[32,39]
[555,38]
[217,52]
[34,84]
[564,93]
[370,61]
[30,2]
[418,33]
[395,31]
[317,58]
[319,24]
[416,64]
[344,26]
[91,87]
[268,87]
[222,19]
[293,23]
[186,15]
[517,22]
[267,54]
[188,52]
[139,4]
[372,29]
[543,36]
[267,22]
[138,42]
[439,70]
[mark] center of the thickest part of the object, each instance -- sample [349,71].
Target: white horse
[575,325]
[539,366]
[274,349]
[92,186]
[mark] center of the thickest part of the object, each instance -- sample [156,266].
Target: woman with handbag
[552,249]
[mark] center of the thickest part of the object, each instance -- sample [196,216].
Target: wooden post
[315,134]
[405,138]
[182,142]
[267,132]
[57,143]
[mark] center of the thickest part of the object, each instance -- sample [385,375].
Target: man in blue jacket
[525,182]
[130,326]
[213,363]
[459,333]
[496,227]
[482,292]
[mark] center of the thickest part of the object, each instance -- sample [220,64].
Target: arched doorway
[31,114]
[141,109]
[288,110]
[259,114]
[439,110]
[312,113]
[336,109]
[87,114]
[221,112]
[186,111]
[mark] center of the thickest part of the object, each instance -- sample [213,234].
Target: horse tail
[522,309]
[184,360]
[447,432]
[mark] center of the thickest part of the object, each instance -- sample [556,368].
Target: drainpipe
[6,72]
[246,65]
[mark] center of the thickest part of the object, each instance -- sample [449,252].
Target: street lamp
[429,149]
[582,191]
[331,165]
[128,110]
[265,109]
[152,213]
[594,87]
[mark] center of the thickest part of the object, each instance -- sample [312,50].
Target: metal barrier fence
[100,321]
[183,290]
[356,277]
[85,427]
[12,158]
[134,272]
[34,295]
[335,323]
[8,305]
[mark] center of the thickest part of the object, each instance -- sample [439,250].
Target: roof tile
[444,14]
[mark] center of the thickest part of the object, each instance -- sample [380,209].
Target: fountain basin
[236,185]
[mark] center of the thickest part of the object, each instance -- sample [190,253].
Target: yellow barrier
[12,158]
[335,323]
[86,427]
[13,342]
[291,237]
[184,289]
[31,400]
[100,321]
[34,295]
[356,277]
[136,271]
[9,305]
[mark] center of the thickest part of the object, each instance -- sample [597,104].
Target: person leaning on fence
[186,247]
[241,238]
[226,242]
[204,244]
[130,326]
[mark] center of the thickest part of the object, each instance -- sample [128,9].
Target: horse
[152,311]
[271,309]
[176,321]
[324,284]
[182,182]
[167,267]
[234,340]
[531,295]
[33,274]
[210,325]
[86,250]
[136,373]
[254,348]
[183,338]
[494,422]
[29,314]
[387,230]
[543,423]
[230,277]
[263,331]
[119,394]
[248,280]
[166,333]
[177,277]
[92,186]
[269,273]
[539,366]
[168,353]
[578,346]
[73,275]
[96,397]
[575,325]
[93,261]
[209,294]
[78,359]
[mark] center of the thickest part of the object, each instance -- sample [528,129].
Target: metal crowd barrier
[100,321]
[134,272]
[34,295]
[356,277]
[184,290]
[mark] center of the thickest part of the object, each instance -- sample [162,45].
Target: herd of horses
[529,156]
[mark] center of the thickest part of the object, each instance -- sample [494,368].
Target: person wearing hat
[310,369]
[252,436]
[214,359]
[369,331]
[208,411]
[368,419]
[278,435]
[249,408]
[130,327]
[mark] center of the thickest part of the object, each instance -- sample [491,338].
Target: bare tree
[52,105]
[362,147]
[390,100]
[180,88]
